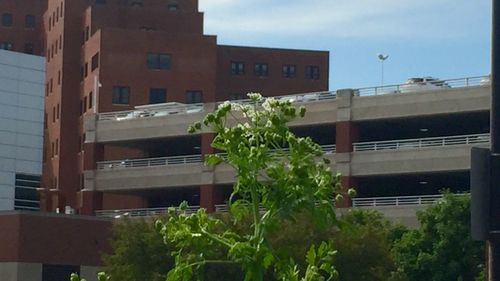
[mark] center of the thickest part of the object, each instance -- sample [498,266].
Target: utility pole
[485,167]
[494,231]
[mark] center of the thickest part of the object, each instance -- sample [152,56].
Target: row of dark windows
[28,47]
[121,95]
[140,3]
[58,12]
[54,48]
[287,71]
[8,20]
[94,64]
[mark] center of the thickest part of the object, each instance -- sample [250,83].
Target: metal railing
[171,160]
[298,98]
[421,143]
[152,111]
[143,212]
[435,85]
[149,162]
[395,201]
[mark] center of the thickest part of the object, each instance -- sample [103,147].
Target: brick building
[113,55]
[21,26]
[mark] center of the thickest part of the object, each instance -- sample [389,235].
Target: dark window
[100,1]
[28,48]
[237,68]
[91,100]
[60,42]
[121,95]
[261,69]
[62,8]
[51,82]
[194,97]
[237,96]
[137,3]
[7,19]
[26,195]
[84,104]
[59,77]
[50,23]
[52,272]
[6,46]
[58,112]
[158,61]
[95,61]
[173,7]
[312,72]
[53,114]
[157,95]
[29,21]
[86,70]
[289,71]
[87,33]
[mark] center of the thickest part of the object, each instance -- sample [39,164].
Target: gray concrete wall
[19,271]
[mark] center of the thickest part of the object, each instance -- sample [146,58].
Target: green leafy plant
[278,176]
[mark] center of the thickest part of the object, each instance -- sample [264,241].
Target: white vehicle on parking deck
[423,84]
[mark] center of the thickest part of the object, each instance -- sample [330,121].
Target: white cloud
[405,19]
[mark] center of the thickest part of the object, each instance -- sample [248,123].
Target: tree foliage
[441,249]
[278,176]
[139,252]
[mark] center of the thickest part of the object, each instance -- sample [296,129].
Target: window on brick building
[50,23]
[261,69]
[173,7]
[312,72]
[7,19]
[61,10]
[158,61]
[121,95]
[84,104]
[59,77]
[136,3]
[6,46]
[237,68]
[60,42]
[91,100]
[53,114]
[95,61]
[86,70]
[289,71]
[29,21]
[28,48]
[237,96]
[51,85]
[157,95]
[57,147]
[58,112]
[194,96]
[87,33]
[57,14]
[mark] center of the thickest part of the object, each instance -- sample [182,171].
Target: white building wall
[22,79]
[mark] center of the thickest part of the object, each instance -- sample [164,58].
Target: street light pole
[382,58]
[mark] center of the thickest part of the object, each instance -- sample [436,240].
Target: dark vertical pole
[495,80]
[494,245]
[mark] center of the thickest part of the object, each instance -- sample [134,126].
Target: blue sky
[441,38]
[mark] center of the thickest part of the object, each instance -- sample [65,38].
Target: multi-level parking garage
[395,148]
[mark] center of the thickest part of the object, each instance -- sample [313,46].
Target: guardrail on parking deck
[143,212]
[448,83]
[149,162]
[152,111]
[395,201]
[298,98]
[171,160]
[421,143]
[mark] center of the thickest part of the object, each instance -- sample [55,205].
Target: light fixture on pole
[382,58]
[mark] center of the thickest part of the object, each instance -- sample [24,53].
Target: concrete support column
[346,134]
[58,199]
[208,193]
[45,199]
[90,199]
